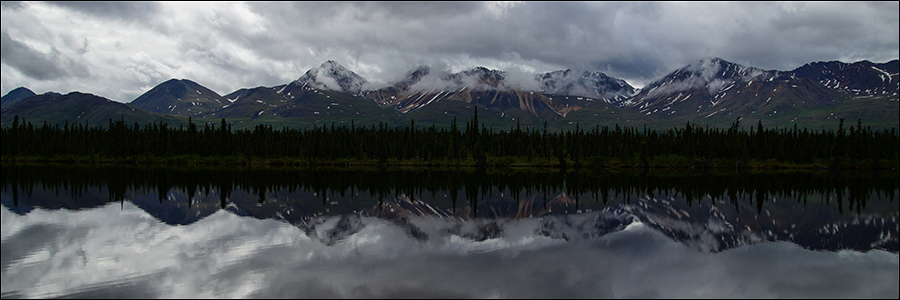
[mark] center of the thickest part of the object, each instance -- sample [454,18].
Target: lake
[112,231]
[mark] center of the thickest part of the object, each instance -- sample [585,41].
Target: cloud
[125,10]
[522,80]
[36,64]
[232,45]
[13,5]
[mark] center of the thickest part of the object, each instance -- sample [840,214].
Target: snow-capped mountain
[714,74]
[329,90]
[331,76]
[480,78]
[862,78]
[709,79]
[587,84]
[400,95]
[179,97]
[481,86]
[711,91]
[491,89]
[713,88]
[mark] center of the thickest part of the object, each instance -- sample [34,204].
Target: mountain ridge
[711,91]
[79,108]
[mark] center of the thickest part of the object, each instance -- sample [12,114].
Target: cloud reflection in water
[119,250]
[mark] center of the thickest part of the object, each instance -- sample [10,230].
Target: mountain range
[711,91]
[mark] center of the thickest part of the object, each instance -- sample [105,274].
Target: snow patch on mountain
[334,77]
[714,74]
[427,80]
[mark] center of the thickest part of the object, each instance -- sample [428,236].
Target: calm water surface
[164,232]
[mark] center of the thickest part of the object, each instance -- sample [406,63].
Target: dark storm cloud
[32,63]
[549,33]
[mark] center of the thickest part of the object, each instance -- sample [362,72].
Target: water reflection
[830,211]
[88,231]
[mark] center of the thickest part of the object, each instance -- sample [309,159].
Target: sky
[120,50]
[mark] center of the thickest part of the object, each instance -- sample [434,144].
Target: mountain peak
[861,78]
[586,83]
[710,68]
[699,86]
[414,76]
[331,65]
[711,72]
[181,96]
[478,78]
[484,72]
[15,95]
[420,71]
[331,75]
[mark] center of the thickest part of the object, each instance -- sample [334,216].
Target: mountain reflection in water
[226,232]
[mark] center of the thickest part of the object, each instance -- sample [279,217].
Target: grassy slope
[82,109]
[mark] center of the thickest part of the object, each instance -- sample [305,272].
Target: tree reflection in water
[817,210]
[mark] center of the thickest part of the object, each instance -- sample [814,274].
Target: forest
[852,146]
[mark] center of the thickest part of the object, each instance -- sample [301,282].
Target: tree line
[347,190]
[475,144]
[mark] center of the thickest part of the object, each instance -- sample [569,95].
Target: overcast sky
[120,50]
